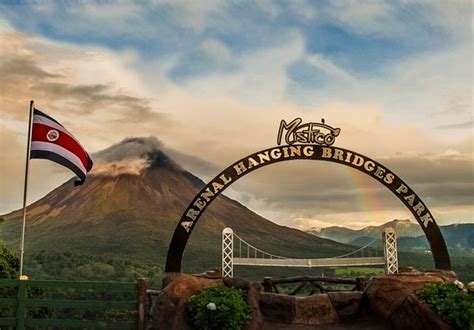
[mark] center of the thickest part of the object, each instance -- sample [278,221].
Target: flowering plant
[219,307]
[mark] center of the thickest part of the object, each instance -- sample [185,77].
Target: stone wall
[390,299]
[317,309]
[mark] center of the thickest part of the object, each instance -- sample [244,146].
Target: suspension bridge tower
[390,250]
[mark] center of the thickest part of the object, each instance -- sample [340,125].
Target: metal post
[21,312]
[141,302]
[267,284]
[390,251]
[240,248]
[227,252]
[25,188]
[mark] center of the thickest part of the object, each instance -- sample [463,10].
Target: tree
[9,263]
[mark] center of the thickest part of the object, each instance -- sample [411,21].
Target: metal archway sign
[308,142]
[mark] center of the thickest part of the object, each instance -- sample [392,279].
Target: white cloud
[330,68]
[436,88]
[405,19]
[425,91]
[270,7]
[303,9]
[193,14]
[352,220]
[365,17]
[310,224]
[216,51]
[222,117]
[262,78]
[453,16]
[5,24]
[453,214]
[90,65]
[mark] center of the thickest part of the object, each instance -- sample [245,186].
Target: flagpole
[26,187]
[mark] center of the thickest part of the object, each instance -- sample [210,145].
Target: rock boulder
[387,293]
[414,314]
[347,304]
[277,307]
[184,286]
[315,310]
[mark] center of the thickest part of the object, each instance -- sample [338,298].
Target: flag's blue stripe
[42,154]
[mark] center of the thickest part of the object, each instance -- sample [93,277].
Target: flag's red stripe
[40,132]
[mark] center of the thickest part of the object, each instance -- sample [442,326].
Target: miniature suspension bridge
[236,251]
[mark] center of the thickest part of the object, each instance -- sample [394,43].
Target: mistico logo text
[307,133]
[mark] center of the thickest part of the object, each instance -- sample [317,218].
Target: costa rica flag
[50,140]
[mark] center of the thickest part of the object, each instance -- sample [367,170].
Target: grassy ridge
[77,266]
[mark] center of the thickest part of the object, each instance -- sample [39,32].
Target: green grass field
[352,272]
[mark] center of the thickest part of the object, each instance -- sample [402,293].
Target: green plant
[219,307]
[9,263]
[454,306]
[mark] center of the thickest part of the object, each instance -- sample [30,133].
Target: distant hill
[404,228]
[129,206]
[456,235]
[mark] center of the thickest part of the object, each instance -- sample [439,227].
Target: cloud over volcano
[214,90]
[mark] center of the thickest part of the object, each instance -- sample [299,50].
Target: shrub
[454,306]
[9,263]
[219,307]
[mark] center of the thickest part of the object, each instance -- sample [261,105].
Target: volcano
[130,205]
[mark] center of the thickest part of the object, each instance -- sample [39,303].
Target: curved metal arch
[309,152]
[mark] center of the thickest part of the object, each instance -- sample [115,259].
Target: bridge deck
[322,262]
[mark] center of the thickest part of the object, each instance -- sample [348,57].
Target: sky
[211,81]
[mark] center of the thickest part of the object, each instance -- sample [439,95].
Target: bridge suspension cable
[257,257]
[248,247]
[256,250]
[355,251]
